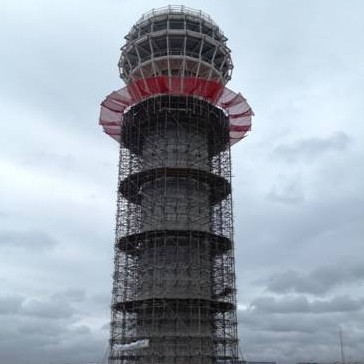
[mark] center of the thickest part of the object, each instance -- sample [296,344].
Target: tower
[174,296]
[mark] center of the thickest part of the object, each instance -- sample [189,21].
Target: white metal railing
[176,9]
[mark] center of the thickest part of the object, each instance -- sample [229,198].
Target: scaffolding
[174,294]
[172,41]
[174,279]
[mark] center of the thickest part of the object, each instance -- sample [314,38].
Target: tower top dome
[175,41]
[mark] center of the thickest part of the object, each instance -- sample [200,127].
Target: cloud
[71,294]
[54,306]
[37,340]
[106,326]
[10,304]
[287,192]
[102,299]
[307,332]
[29,240]
[301,304]
[48,308]
[58,305]
[317,282]
[48,160]
[313,148]
[49,328]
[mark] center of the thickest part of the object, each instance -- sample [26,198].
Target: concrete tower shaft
[174,296]
[177,267]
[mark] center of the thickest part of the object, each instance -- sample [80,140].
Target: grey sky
[298,177]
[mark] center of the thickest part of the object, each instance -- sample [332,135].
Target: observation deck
[175,41]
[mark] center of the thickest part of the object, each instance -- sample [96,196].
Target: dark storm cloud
[313,148]
[29,240]
[318,281]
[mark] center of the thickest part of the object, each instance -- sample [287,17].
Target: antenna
[341,346]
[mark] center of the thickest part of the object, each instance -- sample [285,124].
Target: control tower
[174,295]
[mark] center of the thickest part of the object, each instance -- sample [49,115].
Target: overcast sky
[298,177]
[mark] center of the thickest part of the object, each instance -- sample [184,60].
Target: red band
[235,106]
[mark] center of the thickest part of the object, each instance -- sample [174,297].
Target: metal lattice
[174,281]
